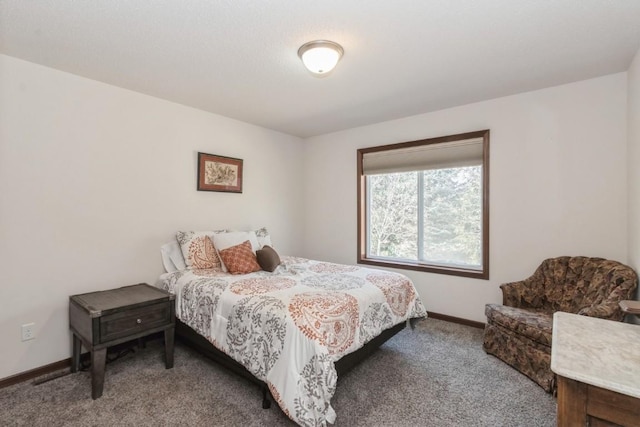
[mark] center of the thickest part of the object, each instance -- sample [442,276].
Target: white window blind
[425,157]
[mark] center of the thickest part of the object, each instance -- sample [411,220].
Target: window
[424,205]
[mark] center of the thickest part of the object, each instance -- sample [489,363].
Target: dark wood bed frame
[190,337]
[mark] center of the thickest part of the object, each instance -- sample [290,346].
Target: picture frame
[219,173]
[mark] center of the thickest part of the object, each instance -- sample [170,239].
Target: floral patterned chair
[519,331]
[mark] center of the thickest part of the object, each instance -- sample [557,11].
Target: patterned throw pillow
[198,250]
[240,259]
[233,238]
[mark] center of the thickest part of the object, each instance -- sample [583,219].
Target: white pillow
[233,238]
[226,240]
[169,266]
[263,237]
[172,257]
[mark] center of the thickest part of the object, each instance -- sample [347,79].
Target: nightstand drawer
[134,321]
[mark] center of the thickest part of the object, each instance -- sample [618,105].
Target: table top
[100,302]
[603,353]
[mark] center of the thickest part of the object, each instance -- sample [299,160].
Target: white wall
[558,184]
[633,159]
[94,178]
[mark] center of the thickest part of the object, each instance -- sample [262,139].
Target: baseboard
[63,364]
[453,319]
[35,373]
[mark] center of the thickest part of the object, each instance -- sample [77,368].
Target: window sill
[427,268]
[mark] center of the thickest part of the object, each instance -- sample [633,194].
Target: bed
[293,330]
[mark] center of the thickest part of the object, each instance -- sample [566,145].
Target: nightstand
[106,318]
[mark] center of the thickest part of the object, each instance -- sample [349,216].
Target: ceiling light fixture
[320,56]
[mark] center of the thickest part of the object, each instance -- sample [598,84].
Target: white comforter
[290,326]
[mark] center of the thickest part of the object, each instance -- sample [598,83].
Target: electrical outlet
[28,331]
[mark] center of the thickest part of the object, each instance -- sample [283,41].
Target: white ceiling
[238,58]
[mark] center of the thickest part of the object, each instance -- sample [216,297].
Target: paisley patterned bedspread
[290,326]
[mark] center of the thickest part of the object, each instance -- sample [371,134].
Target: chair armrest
[512,293]
[605,310]
[526,293]
[626,282]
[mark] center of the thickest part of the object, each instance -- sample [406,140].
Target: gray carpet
[435,375]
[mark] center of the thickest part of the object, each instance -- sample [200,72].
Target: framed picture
[219,173]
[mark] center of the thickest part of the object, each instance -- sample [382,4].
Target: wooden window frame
[420,265]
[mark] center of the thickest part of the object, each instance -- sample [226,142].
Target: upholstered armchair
[519,331]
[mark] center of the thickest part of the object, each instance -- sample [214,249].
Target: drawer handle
[139,321]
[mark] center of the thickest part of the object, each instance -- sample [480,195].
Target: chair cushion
[535,325]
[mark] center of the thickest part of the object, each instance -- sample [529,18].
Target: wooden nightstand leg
[98,360]
[168,347]
[75,356]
